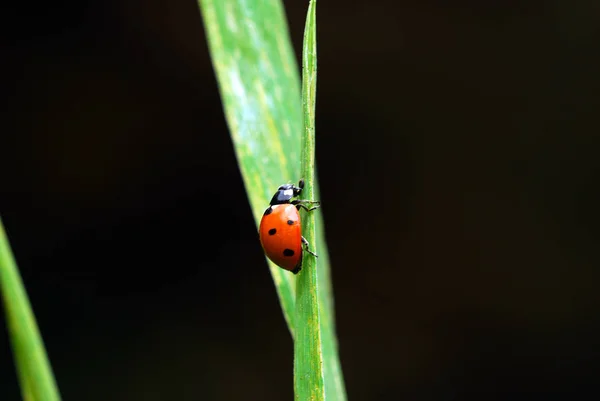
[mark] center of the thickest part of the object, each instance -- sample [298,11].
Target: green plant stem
[308,351]
[33,368]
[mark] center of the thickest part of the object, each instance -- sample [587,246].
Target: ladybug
[280,230]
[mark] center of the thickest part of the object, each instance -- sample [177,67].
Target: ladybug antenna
[299,188]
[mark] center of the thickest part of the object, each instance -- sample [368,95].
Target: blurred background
[457,145]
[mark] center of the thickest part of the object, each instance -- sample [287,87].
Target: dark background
[458,158]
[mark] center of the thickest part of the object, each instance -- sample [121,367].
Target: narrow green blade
[259,84]
[33,369]
[260,88]
[316,364]
[308,345]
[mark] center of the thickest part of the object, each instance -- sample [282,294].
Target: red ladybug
[280,230]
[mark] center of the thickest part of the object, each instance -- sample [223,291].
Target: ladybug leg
[306,245]
[307,208]
[301,204]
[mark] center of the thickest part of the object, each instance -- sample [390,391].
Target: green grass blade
[259,84]
[317,368]
[260,88]
[33,369]
[308,347]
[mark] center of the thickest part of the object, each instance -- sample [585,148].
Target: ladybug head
[286,192]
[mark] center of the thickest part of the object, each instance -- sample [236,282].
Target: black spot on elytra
[288,252]
[272,231]
[268,211]
[290,222]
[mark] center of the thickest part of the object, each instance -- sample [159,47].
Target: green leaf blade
[259,85]
[308,347]
[260,89]
[33,368]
